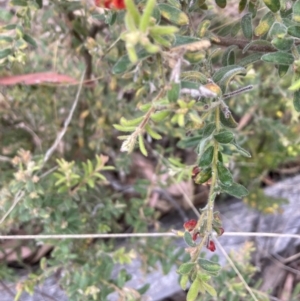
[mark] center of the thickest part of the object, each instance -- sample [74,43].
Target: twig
[66,124]
[17,198]
[7,289]
[225,41]
[236,270]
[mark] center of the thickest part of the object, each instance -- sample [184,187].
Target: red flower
[111,4]
[195,235]
[219,231]
[211,246]
[195,171]
[190,225]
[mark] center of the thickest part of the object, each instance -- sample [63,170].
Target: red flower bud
[211,246]
[221,231]
[110,4]
[195,235]
[190,225]
[195,171]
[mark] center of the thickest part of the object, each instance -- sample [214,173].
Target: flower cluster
[190,226]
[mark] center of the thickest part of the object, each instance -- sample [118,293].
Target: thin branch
[61,134]
[19,195]
[225,41]
[236,270]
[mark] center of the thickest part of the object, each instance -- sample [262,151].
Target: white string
[127,235]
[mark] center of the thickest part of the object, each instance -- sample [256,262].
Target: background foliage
[156,71]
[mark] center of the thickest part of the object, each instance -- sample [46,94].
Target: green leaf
[190,141]
[224,137]
[19,2]
[250,59]
[221,3]
[207,157]
[193,291]
[273,5]
[194,76]
[29,40]
[277,30]
[145,19]
[189,85]
[124,64]
[224,174]
[142,146]
[252,8]
[186,268]
[265,24]
[209,266]
[142,290]
[132,122]
[282,70]
[294,31]
[241,150]
[228,57]
[133,11]
[209,289]
[173,14]
[209,129]
[188,239]
[281,58]
[160,116]
[296,11]
[235,29]
[296,100]
[236,190]
[283,44]
[246,24]
[224,82]
[203,176]
[174,92]
[6,39]
[242,5]
[5,52]
[163,30]
[123,128]
[202,28]
[217,76]
[184,40]
[228,122]
[152,133]
[183,281]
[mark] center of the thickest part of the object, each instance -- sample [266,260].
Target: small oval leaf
[224,137]
[273,5]
[224,174]
[186,268]
[173,14]
[188,239]
[281,58]
[206,157]
[235,189]
[209,266]
[246,24]
[228,122]
[296,100]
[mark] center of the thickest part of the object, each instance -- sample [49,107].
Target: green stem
[212,195]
